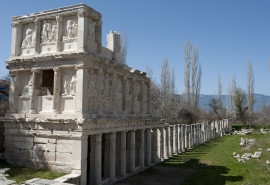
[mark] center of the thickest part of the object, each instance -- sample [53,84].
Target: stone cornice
[72,10]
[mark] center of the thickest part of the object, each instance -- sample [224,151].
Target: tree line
[184,108]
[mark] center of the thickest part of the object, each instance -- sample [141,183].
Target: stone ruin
[76,108]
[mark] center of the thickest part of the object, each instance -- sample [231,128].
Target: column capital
[15,24]
[81,13]
[59,18]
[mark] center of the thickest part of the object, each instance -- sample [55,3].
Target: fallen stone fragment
[257,155]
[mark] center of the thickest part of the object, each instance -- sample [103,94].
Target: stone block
[45,147]
[64,168]
[8,153]
[8,138]
[63,141]
[44,140]
[22,154]
[43,155]
[64,148]
[76,164]
[63,157]
[76,149]
[23,145]
[26,139]
[8,144]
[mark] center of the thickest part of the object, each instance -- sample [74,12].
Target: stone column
[13,92]
[148,147]
[98,34]
[37,30]
[79,97]
[164,143]
[32,93]
[186,137]
[132,151]
[82,31]
[141,159]
[56,89]
[79,155]
[156,149]
[59,35]
[169,147]
[174,146]
[178,132]
[16,38]
[112,156]
[98,162]
[123,153]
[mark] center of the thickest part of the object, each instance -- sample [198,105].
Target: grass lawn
[21,174]
[215,165]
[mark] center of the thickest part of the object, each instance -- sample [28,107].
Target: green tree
[240,104]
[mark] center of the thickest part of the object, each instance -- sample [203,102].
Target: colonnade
[112,156]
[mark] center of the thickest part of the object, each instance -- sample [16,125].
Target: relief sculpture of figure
[29,40]
[73,85]
[118,86]
[45,32]
[92,80]
[106,85]
[52,37]
[48,33]
[66,84]
[128,88]
[71,29]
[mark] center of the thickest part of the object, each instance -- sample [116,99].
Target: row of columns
[119,153]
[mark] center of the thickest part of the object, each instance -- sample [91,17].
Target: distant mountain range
[261,100]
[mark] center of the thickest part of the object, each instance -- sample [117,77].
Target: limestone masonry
[76,108]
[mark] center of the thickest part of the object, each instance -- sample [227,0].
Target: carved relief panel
[68,90]
[48,36]
[118,99]
[92,86]
[91,30]
[68,84]
[106,92]
[128,95]
[70,32]
[25,90]
[28,39]
[137,95]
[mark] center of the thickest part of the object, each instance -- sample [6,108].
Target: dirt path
[158,175]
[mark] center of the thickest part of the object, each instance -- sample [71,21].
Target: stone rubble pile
[263,131]
[3,179]
[243,132]
[247,156]
[246,142]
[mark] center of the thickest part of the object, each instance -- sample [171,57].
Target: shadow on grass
[208,174]
[204,174]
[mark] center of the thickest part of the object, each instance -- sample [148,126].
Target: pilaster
[16,38]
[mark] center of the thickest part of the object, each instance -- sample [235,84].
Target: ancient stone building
[76,108]
[73,105]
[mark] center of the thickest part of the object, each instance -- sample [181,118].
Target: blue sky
[226,32]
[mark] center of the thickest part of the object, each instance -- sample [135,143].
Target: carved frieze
[49,31]
[70,29]
[106,85]
[68,84]
[29,36]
